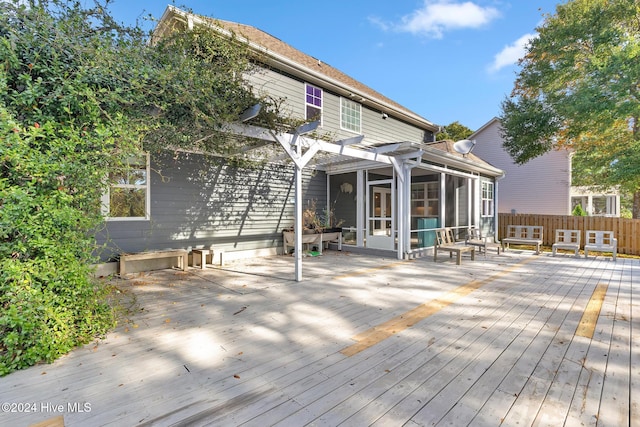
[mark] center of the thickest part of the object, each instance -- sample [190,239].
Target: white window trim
[359,131]
[106,197]
[311,105]
[490,201]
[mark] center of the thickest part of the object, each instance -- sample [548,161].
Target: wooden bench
[523,235]
[475,238]
[566,239]
[445,242]
[181,254]
[600,241]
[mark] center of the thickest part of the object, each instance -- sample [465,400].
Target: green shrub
[578,211]
[48,301]
[79,95]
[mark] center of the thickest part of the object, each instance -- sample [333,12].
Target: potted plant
[315,222]
[320,221]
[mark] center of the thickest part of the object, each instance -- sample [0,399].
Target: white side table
[202,255]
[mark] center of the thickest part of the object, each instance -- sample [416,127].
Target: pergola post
[297,251]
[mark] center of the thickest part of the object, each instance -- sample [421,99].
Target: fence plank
[627,231]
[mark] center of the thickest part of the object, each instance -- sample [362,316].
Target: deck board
[247,345]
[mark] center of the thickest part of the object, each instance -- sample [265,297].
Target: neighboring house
[540,186]
[381,175]
[595,203]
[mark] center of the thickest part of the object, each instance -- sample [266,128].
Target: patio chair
[446,242]
[475,238]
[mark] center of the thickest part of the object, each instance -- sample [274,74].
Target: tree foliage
[79,94]
[454,131]
[578,88]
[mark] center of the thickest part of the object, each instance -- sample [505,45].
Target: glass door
[380,215]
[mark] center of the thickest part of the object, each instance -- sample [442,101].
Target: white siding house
[540,186]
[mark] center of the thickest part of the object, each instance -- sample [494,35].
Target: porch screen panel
[457,213]
[343,194]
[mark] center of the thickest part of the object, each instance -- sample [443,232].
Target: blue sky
[446,60]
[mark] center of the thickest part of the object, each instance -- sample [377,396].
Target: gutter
[312,76]
[463,163]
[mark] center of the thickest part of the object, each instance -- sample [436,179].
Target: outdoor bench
[600,241]
[566,239]
[181,254]
[475,238]
[523,235]
[445,242]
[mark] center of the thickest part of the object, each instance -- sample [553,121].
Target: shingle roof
[446,145]
[276,47]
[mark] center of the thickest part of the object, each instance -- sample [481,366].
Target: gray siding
[202,204]
[374,127]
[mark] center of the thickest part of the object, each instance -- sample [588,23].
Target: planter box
[288,239]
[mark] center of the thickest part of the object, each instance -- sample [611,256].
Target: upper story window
[313,102]
[128,195]
[487,198]
[350,115]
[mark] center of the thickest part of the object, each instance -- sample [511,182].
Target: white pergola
[302,149]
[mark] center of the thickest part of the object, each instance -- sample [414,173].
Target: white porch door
[380,215]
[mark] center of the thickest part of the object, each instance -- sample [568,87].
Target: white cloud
[438,16]
[511,53]
[379,23]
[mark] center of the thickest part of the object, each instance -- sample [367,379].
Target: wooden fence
[627,231]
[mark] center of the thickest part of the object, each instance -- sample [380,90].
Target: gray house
[381,174]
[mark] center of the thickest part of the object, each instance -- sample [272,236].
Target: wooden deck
[513,339]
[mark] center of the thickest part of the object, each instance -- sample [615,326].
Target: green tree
[79,95]
[578,89]
[454,131]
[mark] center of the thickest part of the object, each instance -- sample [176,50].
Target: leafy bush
[578,211]
[48,301]
[79,95]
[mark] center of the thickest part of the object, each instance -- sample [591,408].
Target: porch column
[406,230]
[443,196]
[477,201]
[470,216]
[406,218]
[400,208]
[361,214]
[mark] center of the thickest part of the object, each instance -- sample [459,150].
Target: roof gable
[285,57]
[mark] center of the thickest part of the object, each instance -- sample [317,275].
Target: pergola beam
[292,143]
[250,113]
[351,141]
[385,148]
